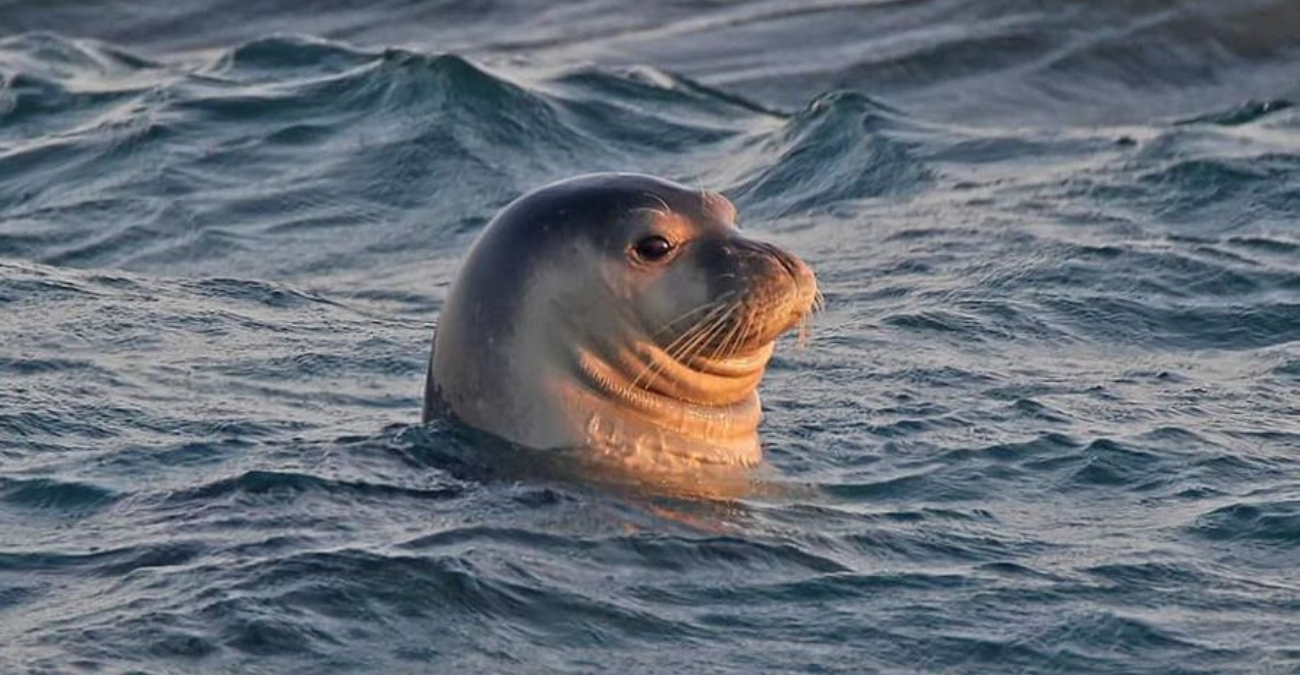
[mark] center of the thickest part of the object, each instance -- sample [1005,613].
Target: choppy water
[1049,423]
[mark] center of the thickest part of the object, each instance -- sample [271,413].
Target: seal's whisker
[722,307]
[722,300]
[654,368]
[802,340]
[710,336]
[687,334]
[709,344]
[706,336]
[659,200]
[806,321]
[738,339]
[669,325]
[701,325]
[721,348]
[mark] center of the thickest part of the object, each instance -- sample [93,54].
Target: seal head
[617,313]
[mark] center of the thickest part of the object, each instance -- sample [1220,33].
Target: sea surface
[1049,421]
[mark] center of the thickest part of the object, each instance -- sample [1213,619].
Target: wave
[283,483]
[833,151]
[44,494]
[194,167]
[1008,60]
[1274,521]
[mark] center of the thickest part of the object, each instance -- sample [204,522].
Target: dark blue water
[1049,422]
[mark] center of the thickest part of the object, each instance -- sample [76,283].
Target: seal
[620,314]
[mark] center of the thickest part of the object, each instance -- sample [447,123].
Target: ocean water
[1048,423]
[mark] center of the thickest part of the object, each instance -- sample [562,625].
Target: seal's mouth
[759,292]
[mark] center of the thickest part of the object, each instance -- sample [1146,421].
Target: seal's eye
[652,248]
